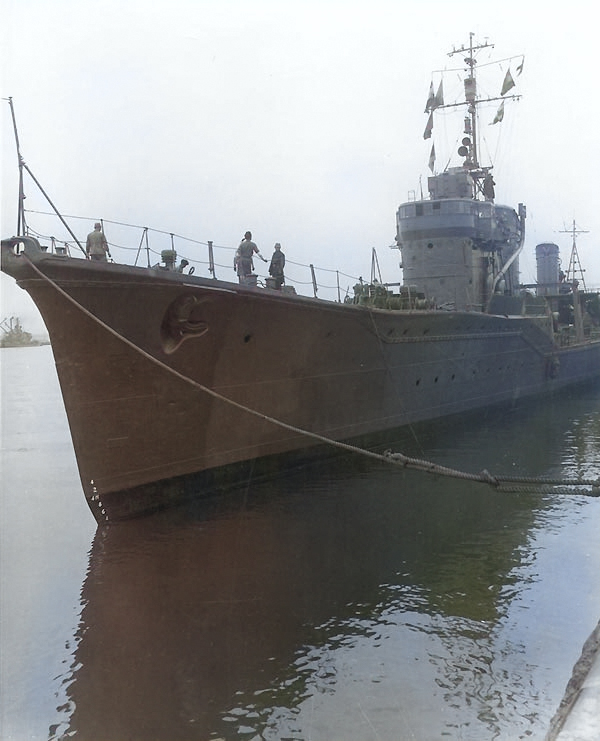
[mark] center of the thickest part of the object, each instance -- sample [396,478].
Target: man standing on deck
[276,266]
[96,246]
[243,257]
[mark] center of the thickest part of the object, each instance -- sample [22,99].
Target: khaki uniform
[96,245]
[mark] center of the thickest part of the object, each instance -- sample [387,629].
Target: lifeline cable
[510,484]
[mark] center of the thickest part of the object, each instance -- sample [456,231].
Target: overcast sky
[301,121]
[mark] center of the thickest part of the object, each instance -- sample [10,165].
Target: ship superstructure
[459,247]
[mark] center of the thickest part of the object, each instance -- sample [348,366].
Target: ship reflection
[191,614]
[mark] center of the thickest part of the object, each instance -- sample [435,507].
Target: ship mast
[21,225]
[574,268]
[482,180]
[471,128]
[21,228]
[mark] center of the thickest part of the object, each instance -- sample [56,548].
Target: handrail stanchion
[314,279]
[211,260]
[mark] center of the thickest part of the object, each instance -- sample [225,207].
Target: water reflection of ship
[189,613]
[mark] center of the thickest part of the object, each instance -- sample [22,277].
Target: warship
[176,384]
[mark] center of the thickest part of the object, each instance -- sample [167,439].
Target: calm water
[348,601]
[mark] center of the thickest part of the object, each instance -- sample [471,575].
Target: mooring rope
[502,483]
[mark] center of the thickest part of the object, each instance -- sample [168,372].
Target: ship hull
[174,385]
